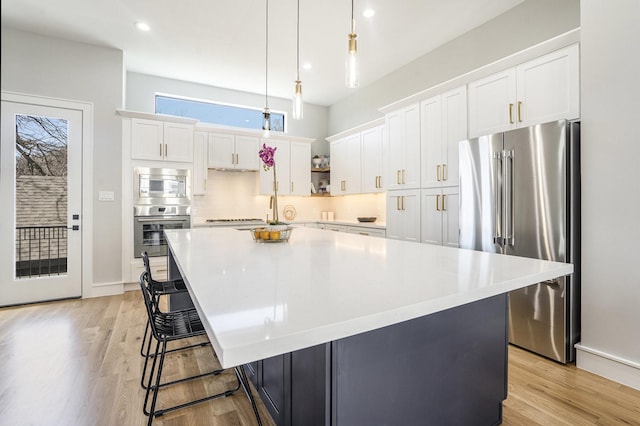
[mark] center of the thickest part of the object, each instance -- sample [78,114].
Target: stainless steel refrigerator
[520,195]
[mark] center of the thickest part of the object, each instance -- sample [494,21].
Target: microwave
[162,186]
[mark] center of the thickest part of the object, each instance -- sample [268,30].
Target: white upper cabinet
[200,170]
[161,140]
[544,89]
[443,123]
[293,175]
[402,148]
[228,151]
[299,168]
[371,140]
[346,165]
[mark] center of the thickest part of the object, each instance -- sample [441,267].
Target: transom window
[217,113]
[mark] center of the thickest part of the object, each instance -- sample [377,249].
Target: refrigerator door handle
[497,199]
[508,239]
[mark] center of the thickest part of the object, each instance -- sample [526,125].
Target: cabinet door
[431,225]
[274,386]
[454,129]
[372,160]
[200,171]
[549,88]
[450,216]
[394,123]
[221,150]
[147,139]
[403,215]
[178,142]
[360,230]
[246,150]
[300,173]
[338,152]
[431,140]
[411,170]
[283,176]
[353,184]
[492,103]
[335,228]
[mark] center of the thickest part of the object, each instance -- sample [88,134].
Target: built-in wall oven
[149,223]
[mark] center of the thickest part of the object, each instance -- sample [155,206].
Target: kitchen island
[346,329]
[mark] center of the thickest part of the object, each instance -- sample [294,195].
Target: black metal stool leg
[242,376]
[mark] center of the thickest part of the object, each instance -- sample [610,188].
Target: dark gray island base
[447,368]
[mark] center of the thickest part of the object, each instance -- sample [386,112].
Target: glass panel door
[40,197]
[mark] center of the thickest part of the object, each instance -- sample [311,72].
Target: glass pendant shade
[352,70]
[297,101]
[266,122]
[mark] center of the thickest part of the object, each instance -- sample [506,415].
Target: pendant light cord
[266,57]
[298,44]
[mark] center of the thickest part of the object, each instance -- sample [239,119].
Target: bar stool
[168,327]
[159,289]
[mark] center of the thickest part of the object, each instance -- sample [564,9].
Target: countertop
[200,223]
[259,300]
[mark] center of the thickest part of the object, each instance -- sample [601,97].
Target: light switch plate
[105,196]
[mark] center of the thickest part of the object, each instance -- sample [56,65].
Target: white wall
[45,66]
[531,22]
[610,143]
[142,88]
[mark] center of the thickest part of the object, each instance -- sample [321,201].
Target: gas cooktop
[234,221]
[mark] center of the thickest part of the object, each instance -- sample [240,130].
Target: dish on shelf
[289,212]
[367,219]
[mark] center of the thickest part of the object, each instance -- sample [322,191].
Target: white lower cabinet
[371,232]
[403,215]
[333,227]
[440,223]
[158,266]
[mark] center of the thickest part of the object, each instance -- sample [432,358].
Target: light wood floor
[77,363]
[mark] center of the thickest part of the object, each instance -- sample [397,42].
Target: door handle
[444,207]
[438,172]
[292,187]
[403,203]
[74,228]
[438,202]
[497,199]
[166,150]
[444,172]
[511,113]
[403,176]
[160,150]
[398,177]
[398,203]
[508,198]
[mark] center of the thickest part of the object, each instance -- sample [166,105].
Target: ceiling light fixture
[142,26]
[297,94]
[266,113]
[351,64]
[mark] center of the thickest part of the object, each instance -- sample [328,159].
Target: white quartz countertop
[259,300]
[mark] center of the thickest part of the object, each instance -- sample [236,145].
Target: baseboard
[610,366]
[106,289]
[131,287]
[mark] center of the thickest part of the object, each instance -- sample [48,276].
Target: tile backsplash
[233,195]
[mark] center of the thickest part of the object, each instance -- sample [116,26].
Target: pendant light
[297,94]
[351,64]
[266,113]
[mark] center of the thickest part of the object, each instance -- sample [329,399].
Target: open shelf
[320,169]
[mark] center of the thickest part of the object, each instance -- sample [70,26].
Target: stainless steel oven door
[148,233]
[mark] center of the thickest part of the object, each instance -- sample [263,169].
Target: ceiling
[222,43]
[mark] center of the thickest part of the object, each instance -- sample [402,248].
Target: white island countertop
[258,300]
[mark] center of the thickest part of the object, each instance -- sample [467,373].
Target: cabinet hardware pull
[444,172]
[398,203]
[520,111]
[398,177]
[438,172]
[444,206]
[233,158]
[160,150]
[166,150]
[277,185]
[403,176]
[292,187]
[511,113]
[403,202]
[437,202]
[161,270]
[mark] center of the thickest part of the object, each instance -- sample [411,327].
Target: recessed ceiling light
[142,26]
[306,66]
[368,13]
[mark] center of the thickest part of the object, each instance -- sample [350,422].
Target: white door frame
[87,173]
